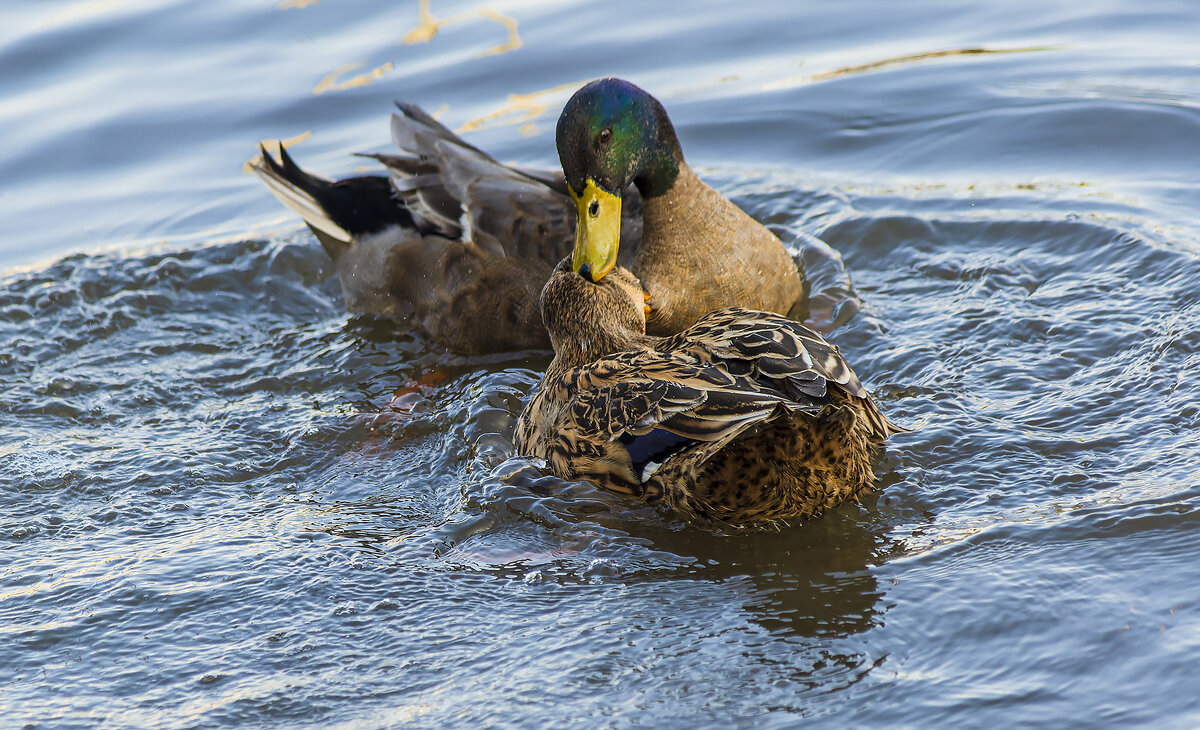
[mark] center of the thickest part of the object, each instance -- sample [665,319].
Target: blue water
[213,513]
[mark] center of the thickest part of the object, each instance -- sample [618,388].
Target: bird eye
[594,208]
[605,135]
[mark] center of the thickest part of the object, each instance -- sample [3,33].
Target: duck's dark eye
[605,135]
[594,209]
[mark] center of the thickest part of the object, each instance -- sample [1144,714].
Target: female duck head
[590,319]
[610,134]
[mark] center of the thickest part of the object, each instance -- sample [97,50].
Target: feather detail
[746,416]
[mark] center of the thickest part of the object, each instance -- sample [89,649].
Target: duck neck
[683,236]
[673,218]
[575,350]
[662,162]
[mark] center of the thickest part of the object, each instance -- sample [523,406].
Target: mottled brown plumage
[747,416]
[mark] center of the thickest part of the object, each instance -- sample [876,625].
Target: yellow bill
[597,230]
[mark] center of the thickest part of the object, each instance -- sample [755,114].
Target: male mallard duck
[459,245]
[746,416]
[698,251]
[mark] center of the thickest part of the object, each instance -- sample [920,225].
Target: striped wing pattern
[780,353]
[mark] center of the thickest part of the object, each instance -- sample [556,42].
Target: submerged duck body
[458,245]
[745,417]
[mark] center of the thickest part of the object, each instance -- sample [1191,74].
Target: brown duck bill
[597,230]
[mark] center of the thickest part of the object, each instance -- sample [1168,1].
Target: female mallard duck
[746,416]
[459,245]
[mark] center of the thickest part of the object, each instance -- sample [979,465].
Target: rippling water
[213,512]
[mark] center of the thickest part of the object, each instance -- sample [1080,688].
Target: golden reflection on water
[331,83]
[428,26]
[520,109]
[799,79]
[523,109]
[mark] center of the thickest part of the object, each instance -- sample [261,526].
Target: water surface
[211,515]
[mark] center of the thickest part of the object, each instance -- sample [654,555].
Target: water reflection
[428,27]
[522,109]
[911,58]
[807,580]
[331,81]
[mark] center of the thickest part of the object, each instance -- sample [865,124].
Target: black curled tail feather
[337,212]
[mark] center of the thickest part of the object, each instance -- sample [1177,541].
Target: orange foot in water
[404,403]
[407,396]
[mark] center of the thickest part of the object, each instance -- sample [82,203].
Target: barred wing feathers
[778,353]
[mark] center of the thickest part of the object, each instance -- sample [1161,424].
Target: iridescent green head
[610,134]
[615,134]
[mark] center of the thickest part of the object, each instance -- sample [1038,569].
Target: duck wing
[779,355]
[623,416]
[465,193]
